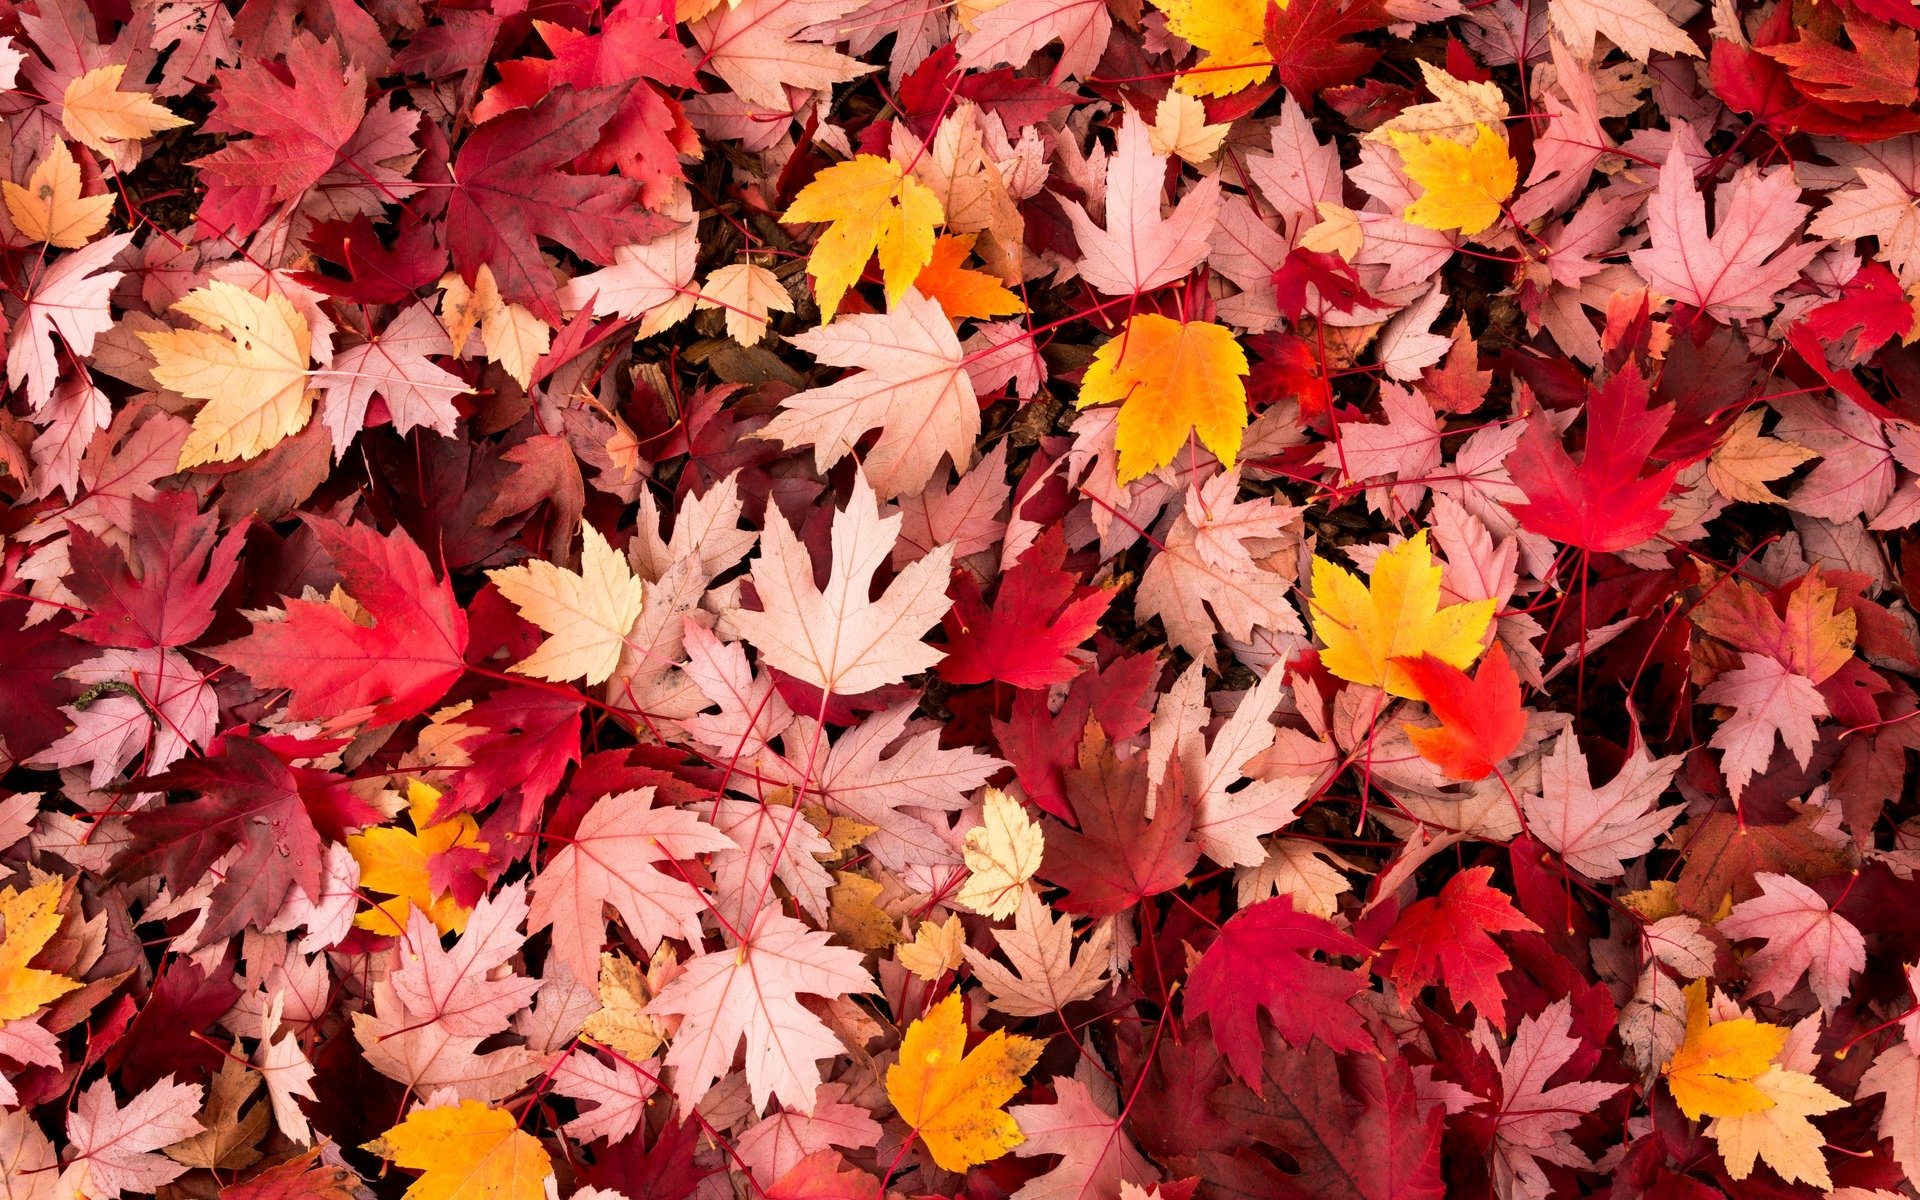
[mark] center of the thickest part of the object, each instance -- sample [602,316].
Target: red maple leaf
[1604,503]
[249,799]
[375,273]
[1354,1128]
[1331,276]
[337,668]
[1118,857]
[1870,311]
[1039,614]
[1447,939]
[1263,958]
[511,189]
[165,596]
[1306,41]
[1481,720]
[525,740]
[649,132]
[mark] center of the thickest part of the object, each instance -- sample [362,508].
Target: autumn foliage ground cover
[1066,599]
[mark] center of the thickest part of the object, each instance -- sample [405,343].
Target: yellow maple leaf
[470,1152]
[31,918]
[394,861]
[588,612]
[50,208]
[1002,853]
[1172,378]
[1780,1135]
[934,950]
[1712,1074]
[1745,462]
[961,291]
[951,1096]
[254,382]
[869,205]
[513,336]
[98,114]
[1396,613]
[1464,185]
[1233,34]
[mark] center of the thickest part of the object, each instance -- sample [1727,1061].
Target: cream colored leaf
[748,292]
[1306,871]
[1780,1136]
[1180,127]
[254,381]
[587,613]
[50,208]
[1047,975]
[934,950]
[1002,853]
[1746,461]
[1459,105]
[514,338]
[97,113]
[1337,232]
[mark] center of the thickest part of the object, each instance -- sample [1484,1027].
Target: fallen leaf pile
[1007,600]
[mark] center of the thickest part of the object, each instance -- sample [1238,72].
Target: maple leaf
[1048,974]
[1139,250]
[1308,42]
[1895,1075]
[751,991]
[1532,1122]
[1604,504]
[393,364]
[254,381]
[960,291]
[1766,698]
[869,206]
[1464,187]
[1745,462]
[1174,380]
[1262,959]
[1229,31]
[1002,853]
[1367,1139]
[301,115]
[1638,27]
[110,1148]
[1749,257]
[250,802]
[760,48]
[1481,720]
[460,989]
[1596,829]
[406,864]
[587,614]
[1097,1158]
[1118,856]
[1803,937]
[1712,1073]
[1879,69]
[747,292]
[1395,614]
[950,1096]
[1877,206]
[469,1151]
[1014,32]
[31,918]
[836,639]
[1040,614]
[100,116]
[397,663]
[1447,939]
[164,595]
[912,385]
[1779,1135]
[50,208]
[70,299]
[615,858]
[510,190]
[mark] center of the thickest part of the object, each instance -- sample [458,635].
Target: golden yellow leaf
[1712,1073]
[1464,185]
[952,1096]
[1396,613]
[934,950]
[31,918]
[1172,378]
[869,205]
[1233,34]
[1746,462]
[960,291]
[98,114]
[588,612]
[1002,853]
[1180,128]
[394,861]
[470,1152]
[254,382]
[1780,1135]
[50,208]
[622,1021]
